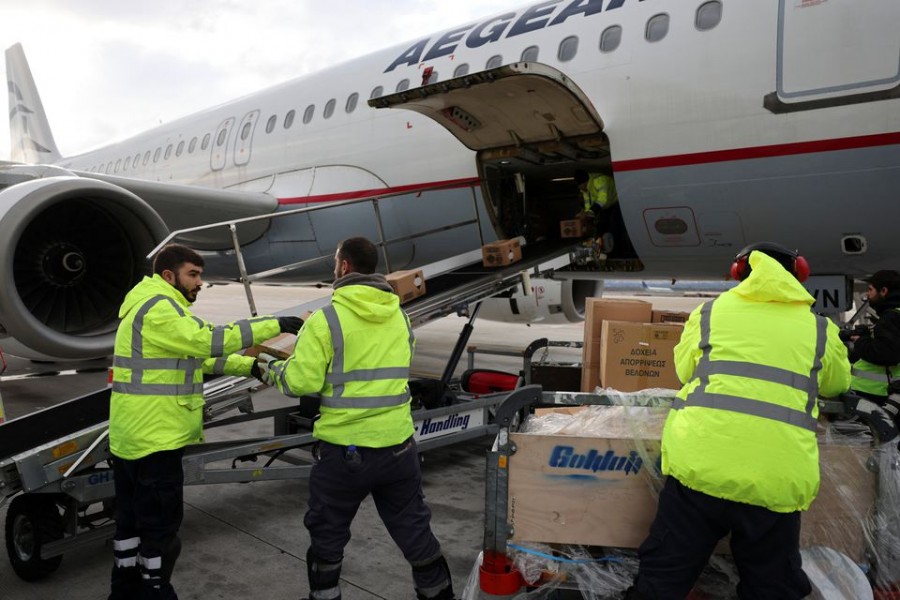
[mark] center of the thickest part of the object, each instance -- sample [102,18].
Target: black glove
[290,324]
[255,372]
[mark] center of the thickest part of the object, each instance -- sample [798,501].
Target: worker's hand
[290,324]
[262,368]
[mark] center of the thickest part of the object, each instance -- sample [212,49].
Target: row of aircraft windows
[707,16]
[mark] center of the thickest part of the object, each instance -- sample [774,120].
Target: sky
[109,69]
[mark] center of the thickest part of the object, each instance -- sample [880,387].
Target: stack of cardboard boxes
[628,346]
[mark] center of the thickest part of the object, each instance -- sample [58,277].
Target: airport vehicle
[723,122]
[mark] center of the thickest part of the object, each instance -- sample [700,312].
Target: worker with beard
[876,357]
[161,353]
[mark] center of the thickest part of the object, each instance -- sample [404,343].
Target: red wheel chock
[498,576]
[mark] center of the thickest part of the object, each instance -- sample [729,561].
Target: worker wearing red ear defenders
[739,445]
[793,263]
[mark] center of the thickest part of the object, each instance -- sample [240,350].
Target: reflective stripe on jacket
[754,361]
[355,354]
[161,353]
[869,377]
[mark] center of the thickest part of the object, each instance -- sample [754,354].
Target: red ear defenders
[740,267]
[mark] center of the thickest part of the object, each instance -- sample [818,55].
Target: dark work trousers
[149,511]
[340,480]
[689,524]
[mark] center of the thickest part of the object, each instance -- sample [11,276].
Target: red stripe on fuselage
[657,162]
[401,189]
[699,158]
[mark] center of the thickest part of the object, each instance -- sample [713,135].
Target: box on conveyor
[407,284]
[501,253]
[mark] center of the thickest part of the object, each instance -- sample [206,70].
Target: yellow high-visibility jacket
[355,353]
[600,192]
[753,363]
[161,354]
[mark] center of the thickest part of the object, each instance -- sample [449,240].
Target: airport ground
[247,541]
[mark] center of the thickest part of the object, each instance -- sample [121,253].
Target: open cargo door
[531,127]
[513,105]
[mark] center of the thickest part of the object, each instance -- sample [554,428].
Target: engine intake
[70,249]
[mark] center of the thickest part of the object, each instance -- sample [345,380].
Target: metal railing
[246,278]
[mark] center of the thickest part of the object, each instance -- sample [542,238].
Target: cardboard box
[281,346]
[669,316]
[574,228]
[602,491]
[501,253]
[637,356]
[597,310]
[407,284]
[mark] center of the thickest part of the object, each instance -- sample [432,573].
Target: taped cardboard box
[638,356]
[597,310]
[574,228]
[601,490]
[501,253]
[407,284]
[281,346]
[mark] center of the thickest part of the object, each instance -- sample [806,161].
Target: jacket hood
[770,282]
[370,297]
[147,288]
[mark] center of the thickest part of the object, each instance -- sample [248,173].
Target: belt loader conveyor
[58,456]
[68,483]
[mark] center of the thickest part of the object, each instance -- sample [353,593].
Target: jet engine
[550,301]
[70,249]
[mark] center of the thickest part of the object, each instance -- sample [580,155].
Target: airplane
[723,122]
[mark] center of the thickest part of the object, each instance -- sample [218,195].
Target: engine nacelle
[551,302]
[70,249]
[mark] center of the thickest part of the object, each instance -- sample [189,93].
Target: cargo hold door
[516,105]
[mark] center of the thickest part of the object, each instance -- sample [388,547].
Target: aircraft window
[709,14]
[118,164]
[270,124]
[657,27]
[461,70]
[494,62]
[403,85]
[610,38]
[530,54]
[308,113]
[377,92]
[146,157]
[289,119]
[193,145]
[180,148]
[329,108]
[351,102]
[205,143]
[137,159]
[108,166]
[567,48]
[245,131]
[127,163]
[168,151]
[220,139]
[156,154]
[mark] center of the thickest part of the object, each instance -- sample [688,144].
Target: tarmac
[247,541]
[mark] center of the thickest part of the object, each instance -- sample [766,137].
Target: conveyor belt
[446,292]
[53,423]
